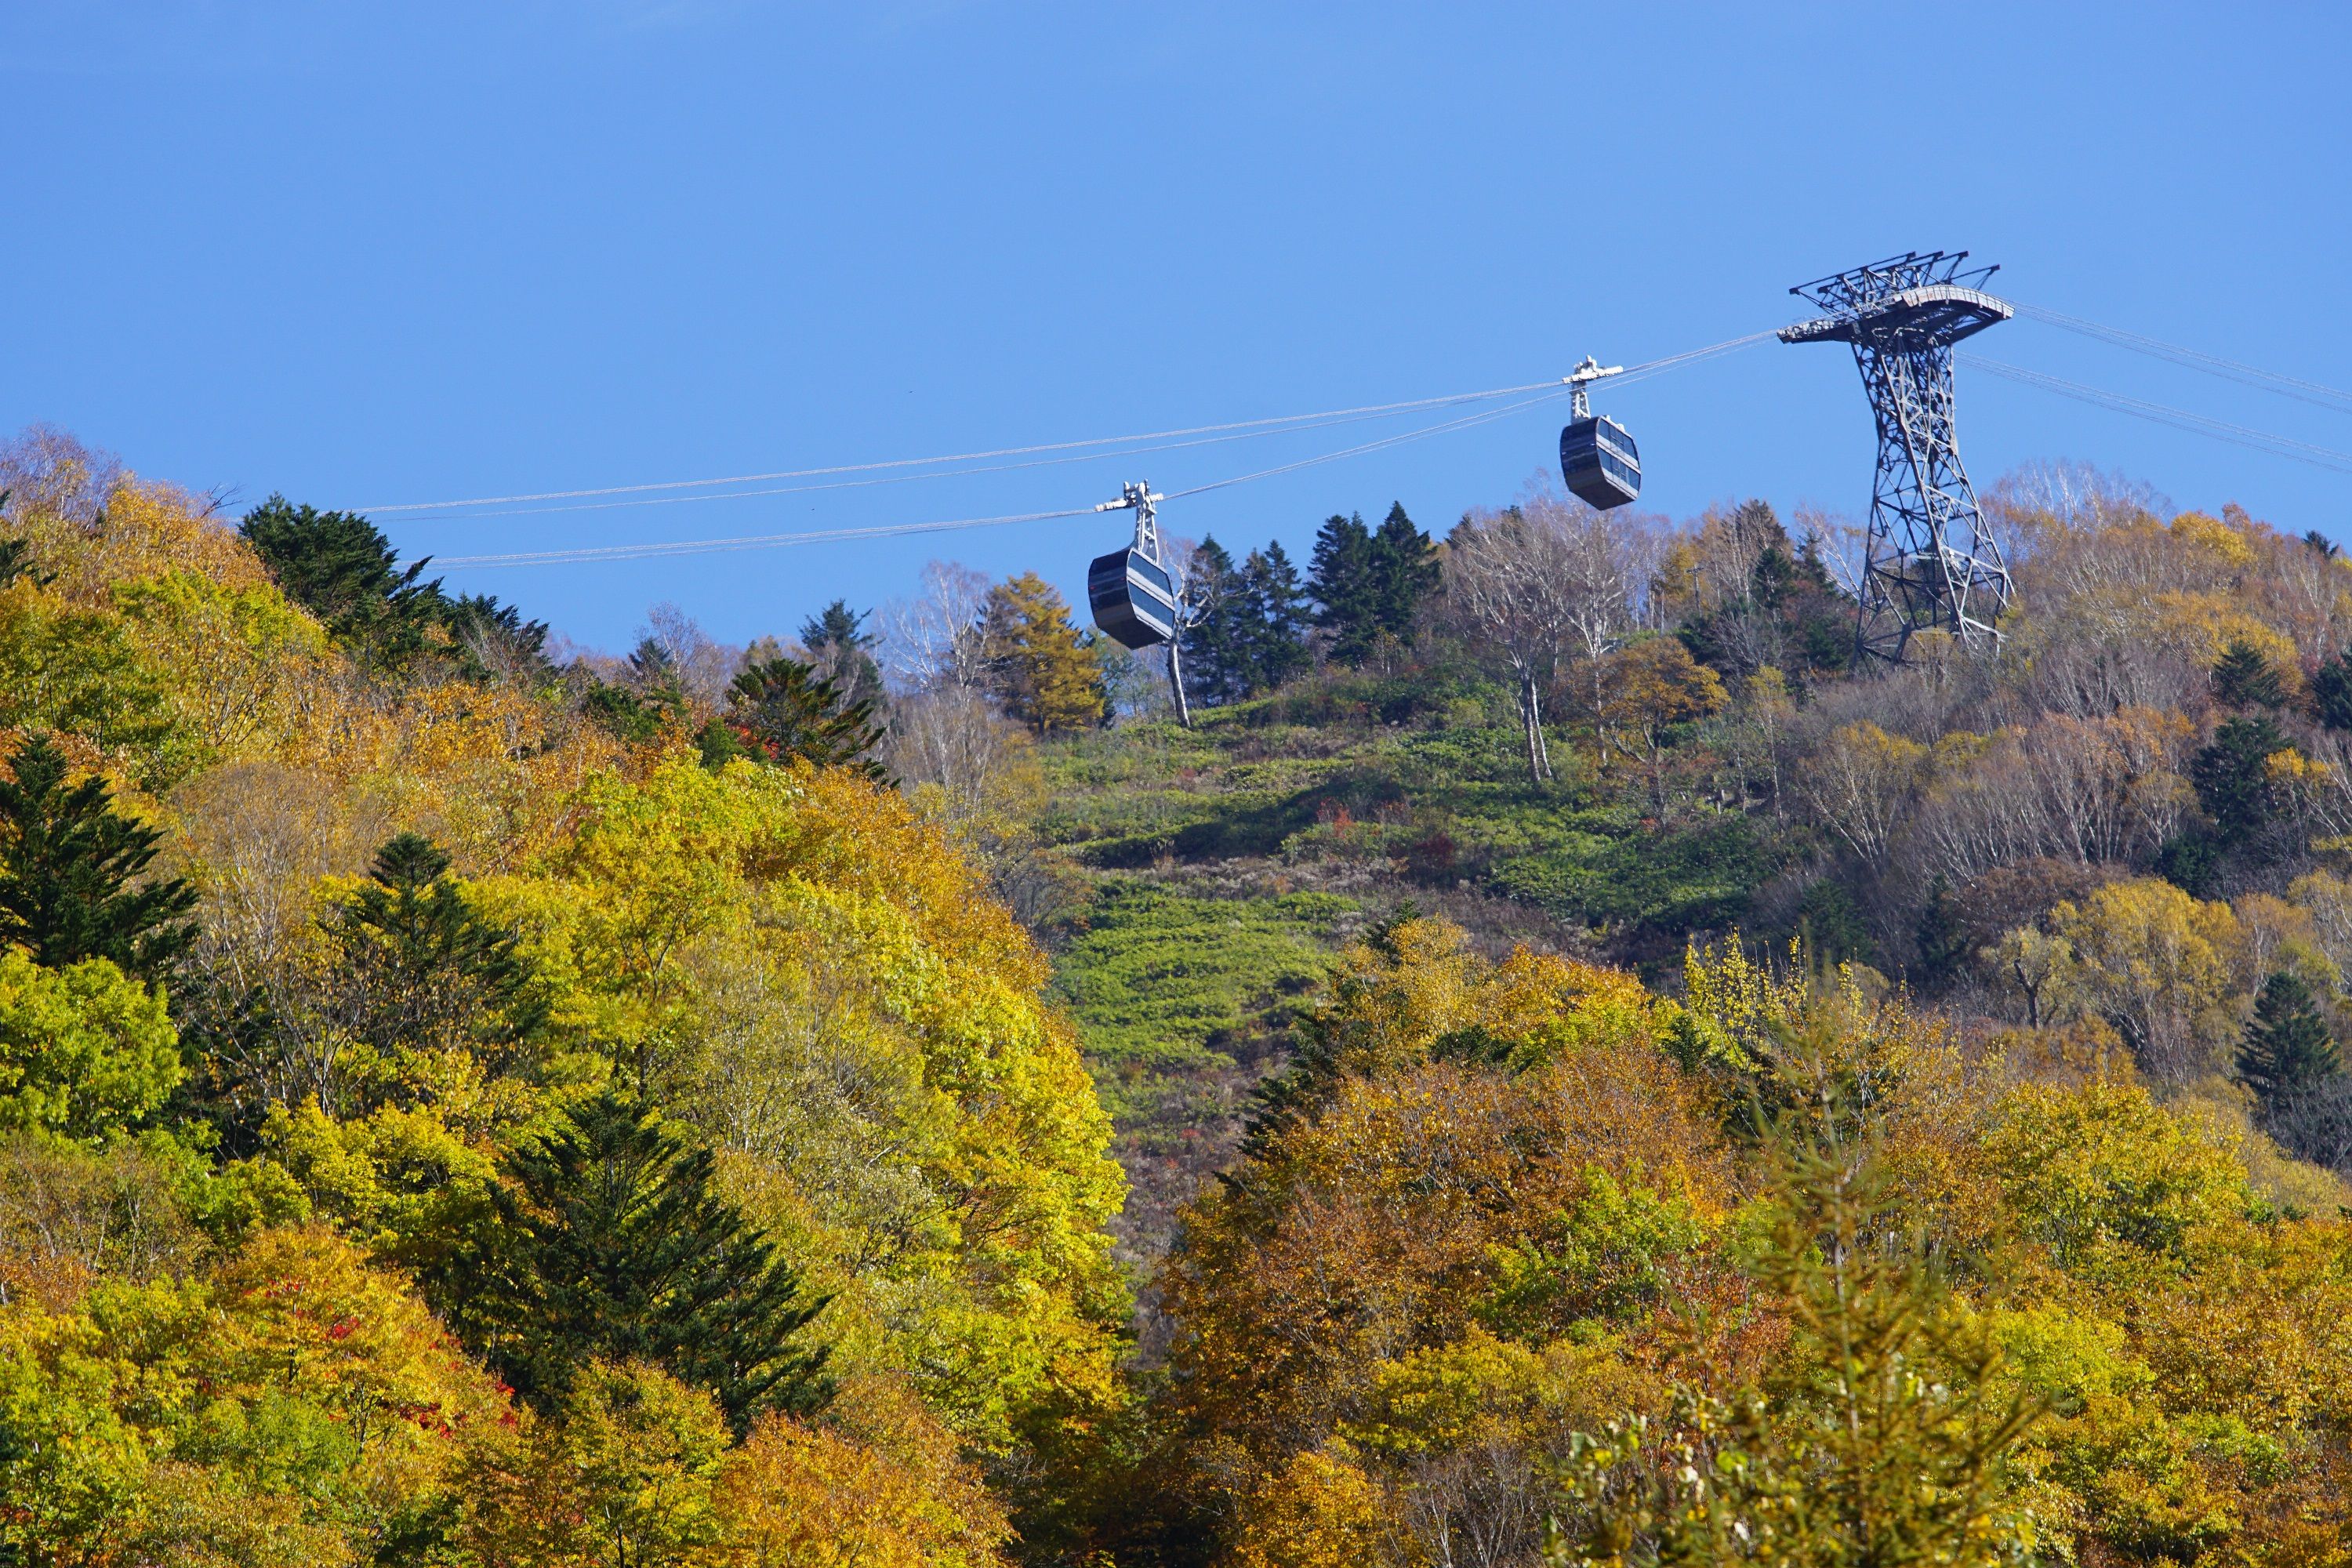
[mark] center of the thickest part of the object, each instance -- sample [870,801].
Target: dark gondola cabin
[1133,598]
[1600,463]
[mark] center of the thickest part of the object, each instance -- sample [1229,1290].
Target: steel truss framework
[1931,561]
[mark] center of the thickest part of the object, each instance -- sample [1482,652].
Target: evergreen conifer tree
[1346,585]
[1278,618]
[2287,1048]
[607,1241]
[1216,633]
[2244,678]
[2331,691]
[427,969]
[338,566]
[780,708]
[2232,774]
[494,642]
[842,651]
[17,559]
[1405,572]
[68,861]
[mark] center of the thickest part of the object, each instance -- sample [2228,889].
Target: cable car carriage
[1133,598]
[1596,458]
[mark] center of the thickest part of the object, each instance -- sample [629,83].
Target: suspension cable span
[1232,430]
[1548,392]
[880,531]
[754,541]
[1368,410]
[2178,418]
[903,478]
[2317,393]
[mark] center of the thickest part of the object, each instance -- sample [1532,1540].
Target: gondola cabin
[1599,462]
[1133,598]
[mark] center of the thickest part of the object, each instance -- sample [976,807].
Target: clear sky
[368,255]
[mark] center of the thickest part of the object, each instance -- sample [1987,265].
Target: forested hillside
[1555,1065]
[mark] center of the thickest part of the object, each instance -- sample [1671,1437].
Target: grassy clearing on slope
[1161,982]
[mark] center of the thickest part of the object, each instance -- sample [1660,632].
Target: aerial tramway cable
[2177,418]
[2317,393]
[1239,430]
[1545,392]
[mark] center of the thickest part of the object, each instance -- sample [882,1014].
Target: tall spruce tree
[424,967]
[68,862]
[493,642]
[1404,572]
[340,568]
[780,708]
[2231,776]
[2287,1050]
[1217,633]
[1346,585]
[842,650]
[2331,691]
[1278,618]
[2243,678]
[606,1240]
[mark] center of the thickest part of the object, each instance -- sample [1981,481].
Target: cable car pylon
[1134,599]
[1931,562]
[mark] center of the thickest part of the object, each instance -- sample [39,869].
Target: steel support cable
[2178,418]
[754,542]
[1368,411]
[1245,429]
[879,531]
[1550,391]
[2317,393]
[903,478]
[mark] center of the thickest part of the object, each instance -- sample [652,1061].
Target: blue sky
[376,254]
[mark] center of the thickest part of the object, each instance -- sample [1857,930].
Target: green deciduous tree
[1884,1434]
[84,1050]
[67,863]
[608,1242]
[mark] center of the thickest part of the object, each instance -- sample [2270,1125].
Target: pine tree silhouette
[2232,774]
[1346,587]
[780,708]
[429,969]
[609,1242]
[68,861]
[2243,678]
[338,566]
[2331,692]
[2287,1050]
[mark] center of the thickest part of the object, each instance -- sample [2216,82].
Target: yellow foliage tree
[1039,667]
[2162,966]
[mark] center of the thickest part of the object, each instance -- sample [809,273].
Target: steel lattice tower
[1931,560]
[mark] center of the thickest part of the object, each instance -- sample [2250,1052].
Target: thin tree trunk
[1531,719]
[1176,685]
